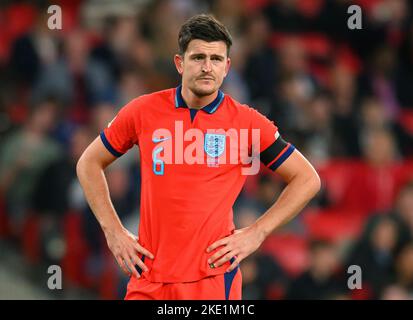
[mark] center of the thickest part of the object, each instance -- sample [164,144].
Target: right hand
[125,248]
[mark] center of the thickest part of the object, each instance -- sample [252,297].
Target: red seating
[30,239]
[74,260]
[4,220]
[109,279]
[19,18]
[309,8]
[315,44]
[336,177]
[289,250]
[333,225]
[406,120]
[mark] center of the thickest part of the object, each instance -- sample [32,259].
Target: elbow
[314,183]
[80,167]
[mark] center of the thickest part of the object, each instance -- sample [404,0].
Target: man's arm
[303,183]
[123,244]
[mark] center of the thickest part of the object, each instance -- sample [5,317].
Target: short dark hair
[203,27]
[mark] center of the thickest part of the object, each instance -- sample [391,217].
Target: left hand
[239,245]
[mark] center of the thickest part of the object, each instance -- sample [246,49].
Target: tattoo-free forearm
[298,192]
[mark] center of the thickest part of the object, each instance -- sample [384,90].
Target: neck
[196,102]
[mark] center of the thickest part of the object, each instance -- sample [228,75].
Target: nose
[206,67]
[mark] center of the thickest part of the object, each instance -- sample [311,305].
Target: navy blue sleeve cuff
[109,146]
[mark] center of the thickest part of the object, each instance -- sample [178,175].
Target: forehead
[209,48]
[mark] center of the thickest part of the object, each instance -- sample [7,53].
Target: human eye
[197,58]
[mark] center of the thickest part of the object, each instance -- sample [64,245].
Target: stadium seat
[309,8]
[336,178]
[4,220]
[30,238]
[74,260]
[290,250]
[108,285]
[406,120]
[20,19]
[333,225]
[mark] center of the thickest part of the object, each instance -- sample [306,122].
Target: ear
[179,61]
[227,67]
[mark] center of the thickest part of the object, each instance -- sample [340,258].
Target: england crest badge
[214,146]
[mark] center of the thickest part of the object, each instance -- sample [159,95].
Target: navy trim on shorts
[228,279]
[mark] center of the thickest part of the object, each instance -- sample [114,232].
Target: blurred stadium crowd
[343,97]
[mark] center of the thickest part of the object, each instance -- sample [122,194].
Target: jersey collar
[210,108]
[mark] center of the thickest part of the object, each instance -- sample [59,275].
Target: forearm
[298,192]
[95,188]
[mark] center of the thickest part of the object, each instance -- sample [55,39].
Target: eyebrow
[204,55]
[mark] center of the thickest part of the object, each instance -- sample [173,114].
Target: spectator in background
[380,81]
[51,196]
[375,253]
[24,154]
[321,280]
[395,292]
[373,117]
[231,13]
[34,51]
[262,276]
[404,268]
[78,80]
[260,69]
[284,16]
[405,71]
[119,35]
[295,89]
[344,122]
[404,207]
[319,135]
[374,182]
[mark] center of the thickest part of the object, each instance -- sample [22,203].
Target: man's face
[203,66]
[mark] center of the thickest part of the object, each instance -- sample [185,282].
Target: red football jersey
[193,169]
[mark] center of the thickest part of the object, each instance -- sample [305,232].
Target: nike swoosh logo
[156,140]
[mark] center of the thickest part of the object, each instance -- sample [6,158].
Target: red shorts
[226,286]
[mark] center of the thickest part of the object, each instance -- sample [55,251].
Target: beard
[200,91]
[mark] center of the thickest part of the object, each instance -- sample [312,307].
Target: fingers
[234,264]
[136,261]
[128,263]
[142,250]
[122,265]
[127,250]
[217,244]
[224,259]
[218,255]
[132,268]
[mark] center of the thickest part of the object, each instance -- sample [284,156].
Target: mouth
[206,79]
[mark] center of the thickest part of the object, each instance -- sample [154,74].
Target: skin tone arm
[303,183]
[123,244]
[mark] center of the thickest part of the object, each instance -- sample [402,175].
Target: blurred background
[343,97]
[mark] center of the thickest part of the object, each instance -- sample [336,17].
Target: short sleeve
[121,134]
[273,149]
